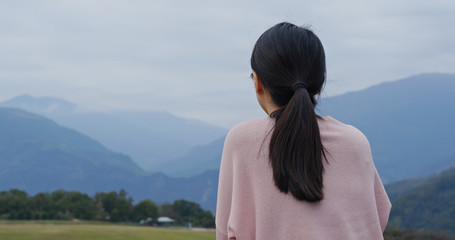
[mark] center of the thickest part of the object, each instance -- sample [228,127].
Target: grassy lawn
[66,230]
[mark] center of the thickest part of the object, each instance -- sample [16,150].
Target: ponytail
[296,149]
[281,55]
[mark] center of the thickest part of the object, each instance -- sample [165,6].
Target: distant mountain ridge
[149,137]
[409,123]
[190,164]
[42,104]
[38,155]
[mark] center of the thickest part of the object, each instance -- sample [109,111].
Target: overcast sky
[191,57]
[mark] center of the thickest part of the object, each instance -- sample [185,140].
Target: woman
[296,175]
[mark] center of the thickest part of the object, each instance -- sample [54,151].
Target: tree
[192,212]
[100,213]
[113,206]
[58,198]
[205,219]
[79,205]
[42,206]
[14,204]
[145,209]
[117,205]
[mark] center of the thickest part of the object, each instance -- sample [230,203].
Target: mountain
[149,137]
[408,122]
[192,132]
[426,203]
[398,189]
[43,104]
[38,155]
[196,161]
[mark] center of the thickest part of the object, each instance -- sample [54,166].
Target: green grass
[67,230]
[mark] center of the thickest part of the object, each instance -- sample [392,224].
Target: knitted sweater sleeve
[383,204]
[224,199]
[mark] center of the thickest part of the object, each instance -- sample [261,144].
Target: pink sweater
[355,204]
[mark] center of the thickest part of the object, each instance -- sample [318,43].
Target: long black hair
[283,56]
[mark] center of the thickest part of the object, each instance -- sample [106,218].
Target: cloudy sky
[191,57]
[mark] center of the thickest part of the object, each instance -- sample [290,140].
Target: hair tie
[299,85]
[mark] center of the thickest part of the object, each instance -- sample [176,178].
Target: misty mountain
[38,155]
[149,137]
[192,132]
[43,104]
[198,160]
[409,123]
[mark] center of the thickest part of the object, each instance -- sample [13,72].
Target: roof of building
[165,220]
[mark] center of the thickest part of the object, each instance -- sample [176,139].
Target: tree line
[112,206]
[400,234]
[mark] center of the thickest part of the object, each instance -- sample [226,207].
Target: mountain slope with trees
[38,155]
[426,204]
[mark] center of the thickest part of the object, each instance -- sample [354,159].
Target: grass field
[67,230]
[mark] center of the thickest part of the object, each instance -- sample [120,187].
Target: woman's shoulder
[335,130]
[252,125]
[250,131]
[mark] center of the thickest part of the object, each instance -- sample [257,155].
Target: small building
[165,222]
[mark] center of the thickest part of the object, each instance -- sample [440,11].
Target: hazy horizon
[114,110]
[192,58]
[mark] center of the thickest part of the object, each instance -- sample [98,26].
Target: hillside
[425,204]
[403,187]
[409,123]
[38,155]
[208,156]
[149,137]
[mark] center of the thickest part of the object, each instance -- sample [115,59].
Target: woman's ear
[257,84]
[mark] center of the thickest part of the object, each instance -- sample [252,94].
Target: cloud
[191,58]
